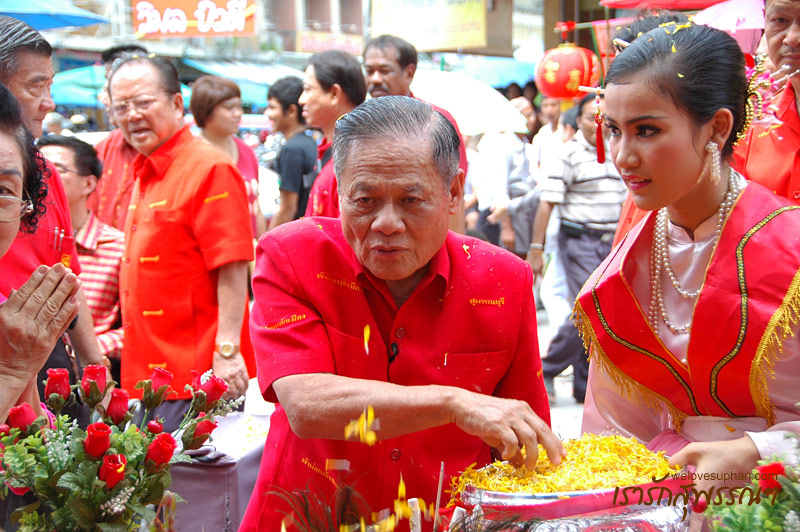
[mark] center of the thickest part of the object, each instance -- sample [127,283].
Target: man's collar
[89,233]
[159,161]
[438,267]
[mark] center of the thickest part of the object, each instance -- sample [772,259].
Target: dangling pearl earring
[716,164]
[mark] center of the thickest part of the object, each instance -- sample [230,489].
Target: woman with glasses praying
[34,316]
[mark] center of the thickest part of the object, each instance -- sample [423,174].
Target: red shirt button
[400,332]
[395,454]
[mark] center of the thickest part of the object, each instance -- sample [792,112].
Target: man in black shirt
[296,162]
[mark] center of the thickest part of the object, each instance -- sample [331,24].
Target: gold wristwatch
[227,349]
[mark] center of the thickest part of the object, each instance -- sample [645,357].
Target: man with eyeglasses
[100,246]
[27,70]
[187,242]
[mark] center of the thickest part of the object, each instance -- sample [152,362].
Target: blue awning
[254,79]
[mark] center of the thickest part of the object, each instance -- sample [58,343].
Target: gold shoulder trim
[770,347]
[627,385]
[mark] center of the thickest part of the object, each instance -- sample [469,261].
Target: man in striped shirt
[589,197]
[100,246]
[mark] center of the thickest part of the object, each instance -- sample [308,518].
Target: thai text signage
[432,25]
[157,19]
[319,41]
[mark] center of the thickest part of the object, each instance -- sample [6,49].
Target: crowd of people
[662,213]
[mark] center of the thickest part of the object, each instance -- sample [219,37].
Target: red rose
[4,430]
[113,469]
[768,475]
[161,377]
[205,427]
[699,505]
[98,439]
[18,490]
[57,382]
[197,433]
[214,388]
[155,427]
[195,379]
[118,406]
[96,374]
[160,450]
[21,416]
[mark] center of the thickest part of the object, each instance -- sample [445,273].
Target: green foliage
[52,463]
[766,515]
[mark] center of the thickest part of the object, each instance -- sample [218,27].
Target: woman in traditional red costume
[692,321]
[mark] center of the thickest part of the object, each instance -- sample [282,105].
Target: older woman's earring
[716,164]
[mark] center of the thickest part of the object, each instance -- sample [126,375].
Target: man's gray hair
[391,118]
[18,37]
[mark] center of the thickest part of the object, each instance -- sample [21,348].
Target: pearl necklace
[659,259]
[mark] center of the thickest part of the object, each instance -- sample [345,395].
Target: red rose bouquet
[105,477]
[771,502]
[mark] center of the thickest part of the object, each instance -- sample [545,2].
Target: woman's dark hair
[699,69]
[645,23]
[207,93]
[334,67]
[170,81]
[34,186]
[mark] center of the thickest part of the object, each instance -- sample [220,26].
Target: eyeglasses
[13,208]
[64,170]
[140,103]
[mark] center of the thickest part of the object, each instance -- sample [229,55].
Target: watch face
[227,349]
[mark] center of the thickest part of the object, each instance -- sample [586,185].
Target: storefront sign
[432,25]
[319,41]
[155,19]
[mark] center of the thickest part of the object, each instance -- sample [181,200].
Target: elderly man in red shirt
[385,308]
[183,282]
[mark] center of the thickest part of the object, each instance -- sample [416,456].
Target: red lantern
[562,70]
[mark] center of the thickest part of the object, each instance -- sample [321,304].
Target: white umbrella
[742,19]
[476,106]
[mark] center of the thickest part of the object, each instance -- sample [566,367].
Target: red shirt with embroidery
[770,154]
[100,248]
[470,323]
[52,242]
[188,216]
[110,199]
